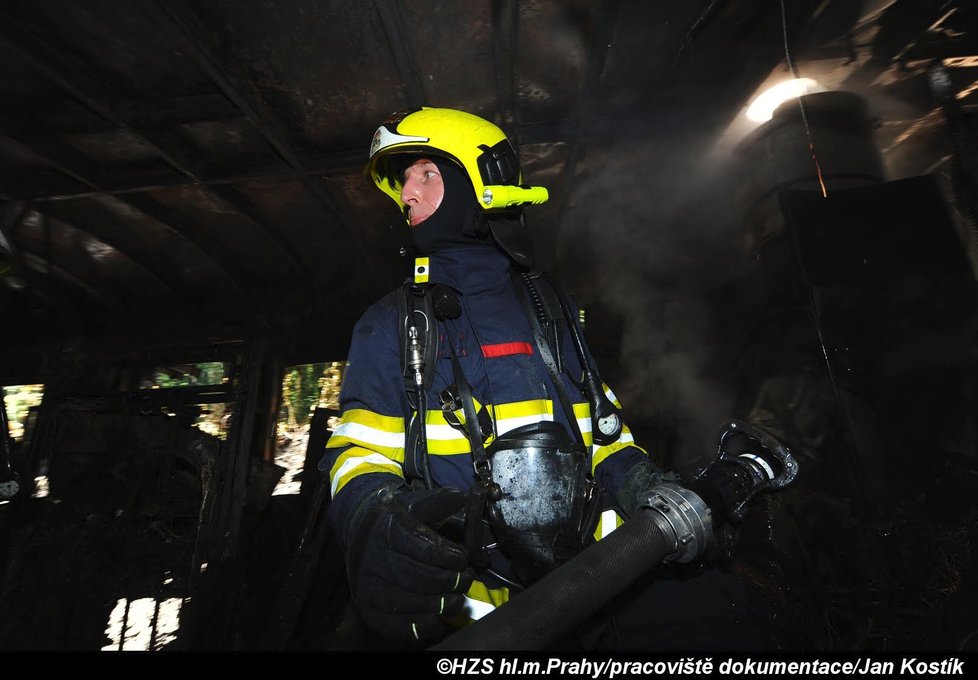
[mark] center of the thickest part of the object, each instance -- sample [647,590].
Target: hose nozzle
[733,478]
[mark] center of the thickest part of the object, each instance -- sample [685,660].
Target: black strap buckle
[451,404]
[483,469]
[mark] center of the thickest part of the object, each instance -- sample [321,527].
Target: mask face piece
[543,477]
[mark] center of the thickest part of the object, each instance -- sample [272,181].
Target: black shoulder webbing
[415,308]
[545,303]
[484,489]
[540,305]
[418,309]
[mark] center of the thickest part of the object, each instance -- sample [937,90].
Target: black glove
[636,483]
[403,575]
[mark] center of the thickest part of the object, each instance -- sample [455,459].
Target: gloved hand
[636,483]
[404,576]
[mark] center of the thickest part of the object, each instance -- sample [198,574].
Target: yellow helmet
[480,148]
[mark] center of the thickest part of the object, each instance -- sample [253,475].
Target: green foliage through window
[307,387]
[18,400]
[185,375]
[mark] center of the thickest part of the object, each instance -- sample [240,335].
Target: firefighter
[522,458]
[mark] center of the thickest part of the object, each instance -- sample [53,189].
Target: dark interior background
[182,182]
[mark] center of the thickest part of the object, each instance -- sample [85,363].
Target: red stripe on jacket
[505,349]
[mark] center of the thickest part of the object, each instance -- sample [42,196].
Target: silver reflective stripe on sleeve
[358,432]
[356,461]
[476,609]
[609,522]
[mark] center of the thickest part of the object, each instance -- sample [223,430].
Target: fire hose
[675,523]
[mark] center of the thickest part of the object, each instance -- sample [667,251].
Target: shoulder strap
[545,305]
[416,310]
[550,301]
[416,318]
[537,314]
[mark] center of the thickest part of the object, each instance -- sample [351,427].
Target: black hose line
[563,599]
[673,521]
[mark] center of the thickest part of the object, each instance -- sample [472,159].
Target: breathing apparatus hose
[606,419]
[423,438]
[606,416]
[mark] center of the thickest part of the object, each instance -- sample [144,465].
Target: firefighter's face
[422,191]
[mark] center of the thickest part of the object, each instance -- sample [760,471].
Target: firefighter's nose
[411,192]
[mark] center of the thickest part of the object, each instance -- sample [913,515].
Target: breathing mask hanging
[539,518]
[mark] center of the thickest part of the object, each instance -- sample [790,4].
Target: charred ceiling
[197,165]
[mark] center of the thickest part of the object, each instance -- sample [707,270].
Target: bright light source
[764,104]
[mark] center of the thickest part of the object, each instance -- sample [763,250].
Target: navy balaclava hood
[458,221]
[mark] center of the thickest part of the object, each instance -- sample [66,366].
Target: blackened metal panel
[895,312]
[858,237]
[324,67]
[452,44]
[121,283]
[119,45]
[325,247]
[553,39]
[226,143]
[237,244]
[115,147]
[116,222]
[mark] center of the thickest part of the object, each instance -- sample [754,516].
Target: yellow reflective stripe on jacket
[443,439]
[611,395]
[380,433]
[599,453]
[480,600]
[582,413]
[608,522]
[357,461]
[376,441]
[508,417]
[517,410]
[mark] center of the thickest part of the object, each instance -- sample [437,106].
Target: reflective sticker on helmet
[384,138]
